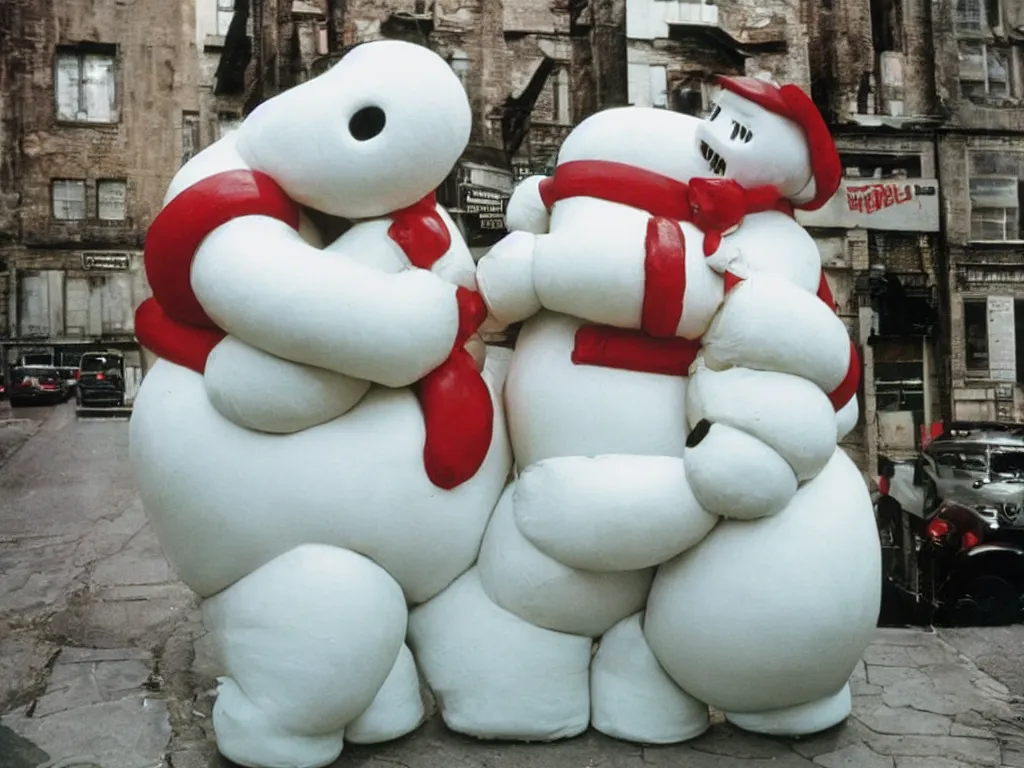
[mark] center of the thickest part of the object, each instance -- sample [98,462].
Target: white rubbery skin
[766,619]
[287,483]
[606,489]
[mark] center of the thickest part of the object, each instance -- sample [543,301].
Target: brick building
[93,99]
[924,238]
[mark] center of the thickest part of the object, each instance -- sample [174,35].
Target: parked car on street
[972,565]
[101,379]
[973,463]
[962,563]
[37,384]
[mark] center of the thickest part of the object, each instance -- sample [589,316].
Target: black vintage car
[37,384]
[101,379]
[960,559]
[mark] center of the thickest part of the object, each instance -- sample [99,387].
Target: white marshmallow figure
[321,443]
[630,273]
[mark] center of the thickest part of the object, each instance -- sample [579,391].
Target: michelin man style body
[321,442]
[626,283]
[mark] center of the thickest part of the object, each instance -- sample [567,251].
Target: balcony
[893,205]
[651,19]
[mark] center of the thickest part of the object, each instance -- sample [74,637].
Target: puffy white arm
[526,211]
[269,394]
[770,324]
[504,277]
[259,281]
[574,509]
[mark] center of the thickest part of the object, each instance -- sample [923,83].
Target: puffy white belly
[558,408]
[773,612]
[224,500]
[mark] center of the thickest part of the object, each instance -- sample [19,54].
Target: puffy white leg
[800,720]
[306,640]
[494,675]
[631,697]
[396,710]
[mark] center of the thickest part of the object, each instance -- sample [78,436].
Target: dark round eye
[367,123]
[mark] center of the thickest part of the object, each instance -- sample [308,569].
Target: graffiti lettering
[869,198]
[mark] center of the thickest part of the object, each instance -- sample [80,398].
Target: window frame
[1015,182]
[987,50]
[124,212]
[222,9]
[969,371]
[81,53]
[54,184]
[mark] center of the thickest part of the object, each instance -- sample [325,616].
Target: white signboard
[1002,350]
[896,205]
[105,261]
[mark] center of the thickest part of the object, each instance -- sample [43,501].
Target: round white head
[744,141]
[377,132]
[657,140]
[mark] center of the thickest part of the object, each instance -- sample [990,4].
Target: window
[85,87]
[995,210]
[562,102]
[970,15]
[111,199]
[460,66]
[984,71]
[227,122]
[658,86]
[648,85]
[322,43]
[995,195]
[189,135]
[887,25]
[976,337]
[865,165]
[225,10]
[977,17]
[68,197]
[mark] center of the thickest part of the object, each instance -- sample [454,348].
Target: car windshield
[969,459]
[99,362]
[1007,465]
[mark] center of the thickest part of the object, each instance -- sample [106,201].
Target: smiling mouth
[715,161]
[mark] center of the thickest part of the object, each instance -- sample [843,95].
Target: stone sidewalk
[918,704]
[103,662]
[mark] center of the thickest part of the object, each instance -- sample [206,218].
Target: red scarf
[457,407]
[714,205]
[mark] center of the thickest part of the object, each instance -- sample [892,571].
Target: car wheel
[988,601]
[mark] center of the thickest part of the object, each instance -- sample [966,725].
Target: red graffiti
[869,198]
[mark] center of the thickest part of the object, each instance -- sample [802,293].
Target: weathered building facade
[925,100]
[93,101]
[923,243]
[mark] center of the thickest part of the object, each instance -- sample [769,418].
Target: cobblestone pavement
[99,667]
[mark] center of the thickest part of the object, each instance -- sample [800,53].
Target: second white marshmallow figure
[612,274]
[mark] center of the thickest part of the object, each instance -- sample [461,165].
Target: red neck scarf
[457,407]
[713,205]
